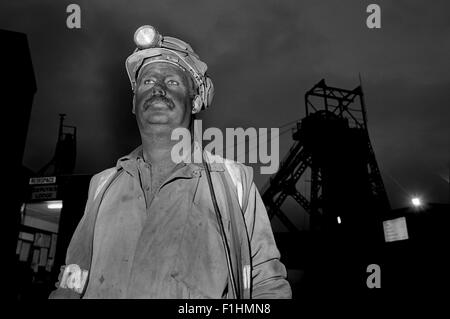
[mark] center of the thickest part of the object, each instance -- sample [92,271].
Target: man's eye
[148,81]
[173,82]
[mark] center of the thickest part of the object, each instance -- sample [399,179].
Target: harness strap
[239,243]
[79,256]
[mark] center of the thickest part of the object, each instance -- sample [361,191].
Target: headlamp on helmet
[146,37]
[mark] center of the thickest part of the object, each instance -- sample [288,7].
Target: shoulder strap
[101,190]
[103,181]
[233,171]
[239,243]
[236,179]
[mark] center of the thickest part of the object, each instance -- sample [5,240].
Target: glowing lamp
[146,37]
[416,201]
[57,205]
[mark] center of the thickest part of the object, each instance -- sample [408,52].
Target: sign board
[44,192]
[42,180]
[395,229]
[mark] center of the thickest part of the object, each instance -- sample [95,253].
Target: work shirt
[169,245]
[140,240]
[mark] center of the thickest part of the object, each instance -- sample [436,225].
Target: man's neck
[156,149]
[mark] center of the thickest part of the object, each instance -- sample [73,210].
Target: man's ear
[196,104]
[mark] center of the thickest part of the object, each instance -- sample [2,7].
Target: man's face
[163,97]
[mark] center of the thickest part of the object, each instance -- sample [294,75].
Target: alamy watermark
[374,279]
[244,146]
[73,21]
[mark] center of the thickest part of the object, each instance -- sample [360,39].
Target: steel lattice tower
[332,144]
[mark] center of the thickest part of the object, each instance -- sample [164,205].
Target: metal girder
[376,182]
[301,155]
[286,167]
[280,199]
[332,96]
[302,201]
[301,169]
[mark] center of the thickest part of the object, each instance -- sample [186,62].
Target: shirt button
[147,188]
[140,197]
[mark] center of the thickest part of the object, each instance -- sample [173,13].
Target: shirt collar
[128,162]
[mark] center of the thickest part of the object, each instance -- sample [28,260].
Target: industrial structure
[53,202]
[346,199]
[332,142]
[63,161]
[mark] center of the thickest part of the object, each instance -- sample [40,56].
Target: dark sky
[262,57]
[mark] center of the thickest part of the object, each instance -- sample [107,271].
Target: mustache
[157,98]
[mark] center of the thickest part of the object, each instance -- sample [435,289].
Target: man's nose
[158,89]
